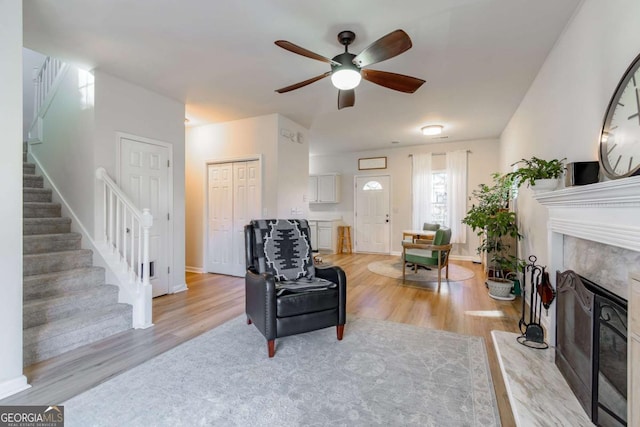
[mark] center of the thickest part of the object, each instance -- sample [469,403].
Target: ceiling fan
[348,69]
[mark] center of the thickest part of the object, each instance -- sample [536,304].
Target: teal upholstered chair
[428,253]
[430,227]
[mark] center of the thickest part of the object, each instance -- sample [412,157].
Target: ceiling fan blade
[394,81]
[346,98]
[386,47]
[304,83]
[304,52]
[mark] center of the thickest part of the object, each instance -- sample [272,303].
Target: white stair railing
[46,80]
[126,236]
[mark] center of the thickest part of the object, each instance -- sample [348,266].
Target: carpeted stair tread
[36,195]
[54,338]
[28,168]
[46,225]
[33,181]
[49,284]
[41,210]
[50,309]
[56,261]
[42,243]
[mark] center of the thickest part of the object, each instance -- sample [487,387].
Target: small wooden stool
[344,239]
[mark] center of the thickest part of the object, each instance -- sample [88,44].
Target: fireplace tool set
[542,294]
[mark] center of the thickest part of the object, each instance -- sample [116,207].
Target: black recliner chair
[285,293]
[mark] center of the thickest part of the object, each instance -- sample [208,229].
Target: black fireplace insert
[591,348]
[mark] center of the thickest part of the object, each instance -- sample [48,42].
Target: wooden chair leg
[339,331]
[248,320]
[404,266]
[271,347]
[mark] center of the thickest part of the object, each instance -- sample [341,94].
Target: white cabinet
[324,235]
[633,355]
[324,188]
[313,227]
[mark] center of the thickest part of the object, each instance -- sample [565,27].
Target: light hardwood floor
[461,307]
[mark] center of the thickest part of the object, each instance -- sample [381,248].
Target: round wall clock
[620,136]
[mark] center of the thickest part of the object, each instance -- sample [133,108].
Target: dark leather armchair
[285,293]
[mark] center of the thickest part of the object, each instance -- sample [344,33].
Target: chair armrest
[260,302]
[407,245]
[336,275]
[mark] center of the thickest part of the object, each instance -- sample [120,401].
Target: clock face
[620,137]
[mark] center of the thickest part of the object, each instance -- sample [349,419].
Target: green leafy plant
[536,168]
[493,222]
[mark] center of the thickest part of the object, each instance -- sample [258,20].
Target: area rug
[392,267]
[381,373]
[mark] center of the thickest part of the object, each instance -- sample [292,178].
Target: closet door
[246,206]
[234,199]
[220,218]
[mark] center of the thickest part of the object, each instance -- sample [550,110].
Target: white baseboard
[190,269]
[181,288]
[13,386]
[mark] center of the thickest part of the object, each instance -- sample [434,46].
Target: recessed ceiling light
[432,130]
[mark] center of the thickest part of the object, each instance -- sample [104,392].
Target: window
[372,185]
[439,197]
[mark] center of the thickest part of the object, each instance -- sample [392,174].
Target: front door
[144,177]
[372,214]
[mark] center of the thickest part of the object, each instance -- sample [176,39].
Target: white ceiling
[478,58]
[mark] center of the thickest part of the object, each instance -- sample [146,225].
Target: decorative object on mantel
[541,294]
[372,163]
[539,174]
[619,152]
[582,173]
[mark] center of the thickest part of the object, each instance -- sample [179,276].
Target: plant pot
[544,185]
[500,288]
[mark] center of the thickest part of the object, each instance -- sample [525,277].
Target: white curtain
[421,188]
[457,194]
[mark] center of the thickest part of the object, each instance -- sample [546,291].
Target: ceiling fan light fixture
[346,78]
[432,130]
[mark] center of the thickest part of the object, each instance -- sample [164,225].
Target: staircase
[66,301]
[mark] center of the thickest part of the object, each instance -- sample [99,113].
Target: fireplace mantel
[607,212]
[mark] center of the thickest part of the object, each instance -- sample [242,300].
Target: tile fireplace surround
[595,231]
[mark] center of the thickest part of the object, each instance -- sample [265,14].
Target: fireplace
[591,348]
[594,230]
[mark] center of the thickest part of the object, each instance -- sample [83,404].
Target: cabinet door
[313,189]
[326,188]
[325,236]
[313,227]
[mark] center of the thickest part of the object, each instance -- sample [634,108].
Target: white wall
[66,153]
[30,60]
[293,163]
[284,169]
[11,378]
[123,107]
[561,114]
[482,162]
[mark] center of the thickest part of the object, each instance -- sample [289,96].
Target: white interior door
[234,198]
[220,219]
[372,214]
[144,177]
[246,206]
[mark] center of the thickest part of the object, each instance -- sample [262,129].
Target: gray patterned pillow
[283,248]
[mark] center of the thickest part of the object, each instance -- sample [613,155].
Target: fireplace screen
[591,350]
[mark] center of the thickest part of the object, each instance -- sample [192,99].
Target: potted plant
[539,174]
[496,226]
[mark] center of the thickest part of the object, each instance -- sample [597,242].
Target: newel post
[145,291]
